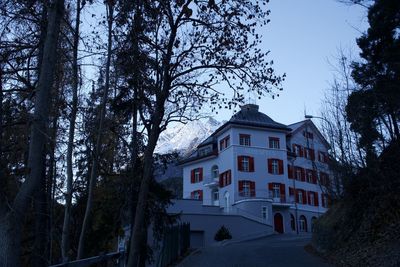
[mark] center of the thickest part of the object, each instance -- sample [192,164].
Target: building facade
[265,171]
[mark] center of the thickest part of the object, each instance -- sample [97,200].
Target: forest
[86,88]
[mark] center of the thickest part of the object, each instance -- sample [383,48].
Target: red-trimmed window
[245,163]
[290,171]
[197,194]
[309,153]
[308,135]
[225,178]
[274,142]
[277,190]
[275,166]
[312,198]
[324,179]
[244,140]
[298,150]
[311,176]
[299,174]
[301,196]
[196,175]
[247,188]
[224,142]
[322,157]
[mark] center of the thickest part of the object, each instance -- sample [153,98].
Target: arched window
[302,224]
[214,171]
[292,222]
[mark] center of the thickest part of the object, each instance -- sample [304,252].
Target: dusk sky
[303,36]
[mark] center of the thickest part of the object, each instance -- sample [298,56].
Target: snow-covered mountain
[183,138]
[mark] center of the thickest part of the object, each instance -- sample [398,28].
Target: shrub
[222,234]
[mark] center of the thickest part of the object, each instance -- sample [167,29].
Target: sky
[303,36]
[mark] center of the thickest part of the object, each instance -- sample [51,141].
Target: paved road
[272,251]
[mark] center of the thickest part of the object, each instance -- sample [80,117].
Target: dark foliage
[222,234]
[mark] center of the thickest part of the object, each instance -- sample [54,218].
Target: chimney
[251,107]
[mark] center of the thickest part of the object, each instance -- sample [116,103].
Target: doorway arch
[278,223]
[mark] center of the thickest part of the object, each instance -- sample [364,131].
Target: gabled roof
[299,126]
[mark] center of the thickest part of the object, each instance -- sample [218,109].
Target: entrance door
[278,223]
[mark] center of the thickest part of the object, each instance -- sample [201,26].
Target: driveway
[272,251]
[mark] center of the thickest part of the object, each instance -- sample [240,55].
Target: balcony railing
[210,181]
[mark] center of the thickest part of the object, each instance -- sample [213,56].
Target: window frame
[273,141]
[245,139]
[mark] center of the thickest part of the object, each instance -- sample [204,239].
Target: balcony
[279,199]
[210,181]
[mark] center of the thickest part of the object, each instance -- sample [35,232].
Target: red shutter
[269,165]
[312,152]
[316,199]
[239,162]
[314,177]
[221,180]
[323,200]
[280,165]
[200,194]
[229,178]
[282,191]
[301,149]
[251,164]
[192,176]
[326,158]
[201,174]
[303,175]
[304,197]
[252,189]
[309,197]
[290,171]
[291,191]
[240,188]
[296,195]
[270,186]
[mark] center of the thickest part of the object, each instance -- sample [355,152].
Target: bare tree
[192,48]
[12,213]
[94,170]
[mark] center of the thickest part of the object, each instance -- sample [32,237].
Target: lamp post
[291,159]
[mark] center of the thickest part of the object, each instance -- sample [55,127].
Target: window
[299,174]
[308,135]
[196,175]
[214,172]
[274,142]
[298,150]
[198,194]
[322,157]
[264,213]
[275,166]
[292,222]
[215,195]
[247,188]
[311,200]
[324,179]
[204,151]
[300,197]
[309,176]
[276,191]
[245,164]
[225,178]
[244,139]
[309,153]
[324,199]
[303,224]
[224,143]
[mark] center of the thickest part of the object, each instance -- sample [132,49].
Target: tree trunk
[93,174]
[10,224]
[71,137]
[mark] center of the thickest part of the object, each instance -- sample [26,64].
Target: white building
[246,169]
